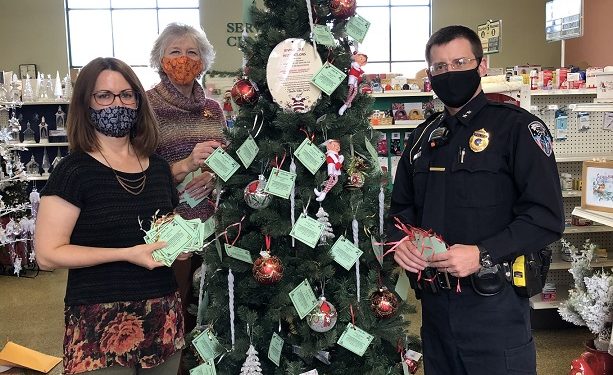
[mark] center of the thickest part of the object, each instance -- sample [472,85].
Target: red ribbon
[277,165]
[352,315]
[310,137]
[239,224]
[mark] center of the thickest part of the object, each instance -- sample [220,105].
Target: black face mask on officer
[455,88]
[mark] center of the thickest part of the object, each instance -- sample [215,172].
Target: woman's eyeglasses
[104,97]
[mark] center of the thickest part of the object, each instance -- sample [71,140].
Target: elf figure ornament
[355,77]
[335,162]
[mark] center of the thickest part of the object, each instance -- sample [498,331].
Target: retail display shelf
[591,91]
[587,229]
[51,144]
[605,218]
[411,124]
[573,158]
[571,193]
[59,102]
[559,264]
[37,178]
[592,107]
[400,93]
[537,303]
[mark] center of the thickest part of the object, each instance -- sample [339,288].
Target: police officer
[483,176]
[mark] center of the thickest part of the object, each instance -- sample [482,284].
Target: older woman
[191,125]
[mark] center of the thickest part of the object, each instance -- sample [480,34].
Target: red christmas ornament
[244,92]
[383,303]
[268,270]
[342,8]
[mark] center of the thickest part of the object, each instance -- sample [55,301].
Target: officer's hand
[460,260]
[409,257]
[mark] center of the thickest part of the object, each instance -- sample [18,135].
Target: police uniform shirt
[495,183]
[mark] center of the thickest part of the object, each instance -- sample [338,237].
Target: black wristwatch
[485,259]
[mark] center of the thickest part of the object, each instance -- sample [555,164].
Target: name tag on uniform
[437,169]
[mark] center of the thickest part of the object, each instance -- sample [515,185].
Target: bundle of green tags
[180,235]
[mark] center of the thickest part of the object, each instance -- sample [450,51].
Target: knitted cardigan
[184,122]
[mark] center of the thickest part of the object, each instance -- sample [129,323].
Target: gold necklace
[132,186]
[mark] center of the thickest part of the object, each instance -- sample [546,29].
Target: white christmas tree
[591,302]
[323,217]
[252,363]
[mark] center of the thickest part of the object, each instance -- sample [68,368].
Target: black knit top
[110,217]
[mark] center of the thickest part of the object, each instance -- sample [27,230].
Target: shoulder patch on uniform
[541,137]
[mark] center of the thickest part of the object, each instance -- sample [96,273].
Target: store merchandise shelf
[51,144]
[571,193]
[37,178]
[537,303]
[411,124]
[559,264]
[605,218]
[573,158]
[587,229]
[592,107]
[591,91]
[400,93]
[58,102]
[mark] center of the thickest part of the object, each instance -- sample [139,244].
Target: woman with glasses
[191,128]
[122,308]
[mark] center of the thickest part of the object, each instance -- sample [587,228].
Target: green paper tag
[322,35]
[429,245]
[328,78]
[178,237]
[206,229]
[275,348]
[345,253]
[238,253]
[247,151]
[303,298]
[222,164]
[373,153]
[402,285]
[310,156]
[207,368]
[188,178]
[307,230]
[357,27]
[280,183]
[207,345]
[377,249]
[355,339]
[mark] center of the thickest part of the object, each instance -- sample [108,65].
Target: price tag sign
[247,151]
[303,298]
[328,78]
[322,35]
[307,230]
[222,164]
[238,253]
[355,339]
[310,156]
[280,183]
[275,348]
[207,345]
[345,253]
[489,34]
[357,27]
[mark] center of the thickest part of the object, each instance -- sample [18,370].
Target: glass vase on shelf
[28,134]
[57,159]
[43,130]
[60,118]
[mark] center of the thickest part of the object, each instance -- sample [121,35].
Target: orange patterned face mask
[182,69]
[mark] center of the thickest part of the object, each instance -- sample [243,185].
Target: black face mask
[456,88]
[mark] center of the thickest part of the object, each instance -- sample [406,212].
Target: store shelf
[605,218]
[537,302]
[587,229]
[573,158]
[50,144]
[410,124]
[571,193]
[591,107]
[400,94]
[591,91]
[58,102]
[559,264]
[37,178]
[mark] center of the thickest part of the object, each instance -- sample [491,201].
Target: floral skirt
[139,334]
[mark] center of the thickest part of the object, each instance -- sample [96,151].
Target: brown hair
[449,33]
[81,132]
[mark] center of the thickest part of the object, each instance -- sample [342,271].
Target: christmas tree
[261,277]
